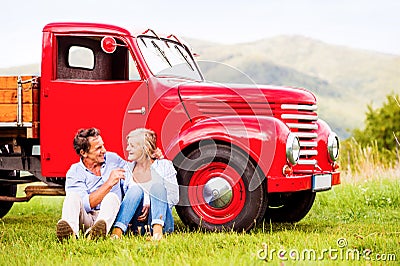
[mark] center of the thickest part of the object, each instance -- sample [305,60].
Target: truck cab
[243,153]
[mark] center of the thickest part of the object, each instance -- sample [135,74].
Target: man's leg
[106,216]
[73,217]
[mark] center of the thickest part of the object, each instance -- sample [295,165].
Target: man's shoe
[98,230]
[64,230]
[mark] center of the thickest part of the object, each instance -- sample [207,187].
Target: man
[93,188]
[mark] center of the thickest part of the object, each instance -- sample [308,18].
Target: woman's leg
[129,205]
[169,222]
[158,204]
[161,215]
[136,226]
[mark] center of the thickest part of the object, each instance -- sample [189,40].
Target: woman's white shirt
[162,171]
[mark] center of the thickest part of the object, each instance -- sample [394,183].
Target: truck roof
[81,27]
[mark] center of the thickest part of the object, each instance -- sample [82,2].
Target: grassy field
[357,222]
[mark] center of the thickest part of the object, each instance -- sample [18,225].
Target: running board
[31,191]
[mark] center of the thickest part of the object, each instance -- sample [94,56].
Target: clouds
[368,24]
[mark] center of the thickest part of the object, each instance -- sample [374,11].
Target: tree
[382,125]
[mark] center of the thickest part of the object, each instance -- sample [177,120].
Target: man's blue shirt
[82,181]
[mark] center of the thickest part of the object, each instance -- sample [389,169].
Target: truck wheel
[289,207]
[10,191]
[220,189]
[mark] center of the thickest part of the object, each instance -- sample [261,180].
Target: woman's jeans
[131,202]
[132,205]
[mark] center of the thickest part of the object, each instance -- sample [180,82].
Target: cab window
[82,58]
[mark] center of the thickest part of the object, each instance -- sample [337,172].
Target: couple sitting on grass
[105,191]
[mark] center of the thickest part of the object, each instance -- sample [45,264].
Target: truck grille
[302,121]
[300,118]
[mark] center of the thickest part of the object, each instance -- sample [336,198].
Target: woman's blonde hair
[146,138]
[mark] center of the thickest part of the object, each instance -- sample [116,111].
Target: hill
[31,69]
[345,80]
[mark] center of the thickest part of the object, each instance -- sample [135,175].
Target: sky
[364,24]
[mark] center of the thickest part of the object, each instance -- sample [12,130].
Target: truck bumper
[298,183]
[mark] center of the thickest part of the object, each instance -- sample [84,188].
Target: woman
[156,178]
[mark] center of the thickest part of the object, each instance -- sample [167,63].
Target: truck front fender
[262,138]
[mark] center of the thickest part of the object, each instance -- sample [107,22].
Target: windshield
[167,58]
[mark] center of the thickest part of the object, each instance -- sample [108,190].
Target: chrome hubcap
[217,193]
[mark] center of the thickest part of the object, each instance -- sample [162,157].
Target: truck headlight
[333,146]
[292,149]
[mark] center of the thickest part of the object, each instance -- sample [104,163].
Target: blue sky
[365,24]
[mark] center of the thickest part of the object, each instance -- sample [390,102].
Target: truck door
[90,87]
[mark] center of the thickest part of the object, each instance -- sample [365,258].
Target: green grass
[364,214]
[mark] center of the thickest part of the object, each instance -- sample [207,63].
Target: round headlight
[292,149]
[333,146]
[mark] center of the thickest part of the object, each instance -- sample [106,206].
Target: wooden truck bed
[19,113]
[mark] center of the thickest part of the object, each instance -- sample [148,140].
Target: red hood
[242,92]
[209,99]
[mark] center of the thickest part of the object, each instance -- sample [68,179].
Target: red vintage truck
[243,153]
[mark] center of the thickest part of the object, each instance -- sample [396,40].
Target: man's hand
[145,213]
[115,176]
[97,196]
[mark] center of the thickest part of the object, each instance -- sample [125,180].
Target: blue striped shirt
[82,181]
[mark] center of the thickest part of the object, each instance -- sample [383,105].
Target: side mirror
[108,44]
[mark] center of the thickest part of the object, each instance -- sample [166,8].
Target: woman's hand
[158,154]
[145,213]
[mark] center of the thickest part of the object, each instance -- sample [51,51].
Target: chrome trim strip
[299,107]
[308,152]
[309,144]
[307,162]
[302,126]
[306,135]
[300,117]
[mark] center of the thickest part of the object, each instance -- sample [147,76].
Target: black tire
[289,207]
[243,207]
[10,191]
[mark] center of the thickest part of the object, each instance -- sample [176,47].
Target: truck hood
[245,93]
[209,99]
